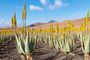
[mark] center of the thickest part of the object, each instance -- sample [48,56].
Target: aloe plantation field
[43,51]
[55,40]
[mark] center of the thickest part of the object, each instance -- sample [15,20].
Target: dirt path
[8,51]
[43,52]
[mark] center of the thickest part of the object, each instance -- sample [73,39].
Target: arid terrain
[43,52]
[77,23]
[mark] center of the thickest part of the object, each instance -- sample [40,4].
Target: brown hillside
[77,23]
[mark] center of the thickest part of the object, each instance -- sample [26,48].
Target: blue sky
[42,10]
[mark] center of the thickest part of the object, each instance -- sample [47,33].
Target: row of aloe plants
[26,45]
[6,38]
[85,42]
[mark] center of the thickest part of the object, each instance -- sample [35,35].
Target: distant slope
[77,23]
[36,24]
[51,21]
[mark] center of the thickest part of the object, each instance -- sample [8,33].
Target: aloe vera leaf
[87,45]
[20,45]
[17,44]
[27,50]
[67,47]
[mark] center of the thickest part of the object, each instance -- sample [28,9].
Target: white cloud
[48,4]
[44,2]
[57,4]
[32,7]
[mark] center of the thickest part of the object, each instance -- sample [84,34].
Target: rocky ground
[43,52]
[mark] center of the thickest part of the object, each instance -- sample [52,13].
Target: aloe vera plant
[6,38]
[65,43]
[69,43]
[58,43]
[26,46]
[85,42]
